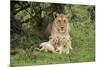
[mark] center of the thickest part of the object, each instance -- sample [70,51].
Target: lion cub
[65,45]
[47,47]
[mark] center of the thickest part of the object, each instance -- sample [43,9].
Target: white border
[5,32]
[85,2]
[86,64]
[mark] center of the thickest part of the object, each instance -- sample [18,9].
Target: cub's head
[60,22]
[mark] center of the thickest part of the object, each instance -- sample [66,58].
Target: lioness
[60,31]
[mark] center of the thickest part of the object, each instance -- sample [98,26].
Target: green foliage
[36,16]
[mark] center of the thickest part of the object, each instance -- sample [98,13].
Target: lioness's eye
[58,20]
[65,21]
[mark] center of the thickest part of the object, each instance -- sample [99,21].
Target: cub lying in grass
[47,47]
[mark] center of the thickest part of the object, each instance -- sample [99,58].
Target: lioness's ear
[68,15]
[55,14]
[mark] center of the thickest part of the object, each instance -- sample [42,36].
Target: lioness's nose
[62,27]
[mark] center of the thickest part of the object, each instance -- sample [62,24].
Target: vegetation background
[29,21]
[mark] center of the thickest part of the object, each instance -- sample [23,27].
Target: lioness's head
[61,20]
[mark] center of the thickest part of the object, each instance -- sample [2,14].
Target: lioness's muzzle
[62,28]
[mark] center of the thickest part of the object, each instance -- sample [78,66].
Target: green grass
[81,54]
